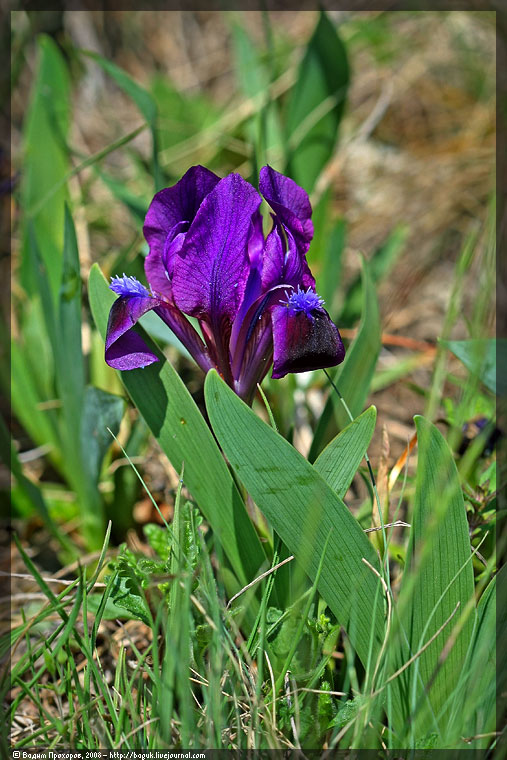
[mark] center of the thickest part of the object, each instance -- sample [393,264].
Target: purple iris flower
[253,296]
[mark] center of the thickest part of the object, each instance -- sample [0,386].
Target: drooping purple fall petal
[304,337]
[125,349]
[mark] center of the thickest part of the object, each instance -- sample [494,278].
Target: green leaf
[353,378]
[437,579]
[46,162]
[474,710]
[339,461]
[183,435]
[480,358]
[304,512]
[101,410]
[141,97]
[380,264]
[316,104]
[138,94]
[70,370]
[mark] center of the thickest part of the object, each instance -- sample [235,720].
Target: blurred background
[107,107]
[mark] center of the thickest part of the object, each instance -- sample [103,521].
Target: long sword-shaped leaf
[316,104]
[340,459]
[304,511]
[180,429]
[438,581]
[46,162]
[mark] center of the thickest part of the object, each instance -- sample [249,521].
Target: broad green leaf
[101,410]
[340,459]
[380,264]
[437,579]
[183,435]
[316,104]
[46,162]
[304,512]
[480,358]
[354,376]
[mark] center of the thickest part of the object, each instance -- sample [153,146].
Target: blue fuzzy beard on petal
[128,286]
[305,301]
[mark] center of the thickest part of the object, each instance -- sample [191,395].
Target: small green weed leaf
[180,429]
[480,358]
[304,512]
[347,712]
[101,410]
[316,104]
[46,162]
[112,611]
[159,539]
[127,595]
[339,461]
[353,378]
[438,578]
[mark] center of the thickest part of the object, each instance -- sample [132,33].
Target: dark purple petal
[256,241]
[125,349]
[159,268]
[170,214]
[304,340]
[290,203]
[283,262]
[186,333]
[212,268]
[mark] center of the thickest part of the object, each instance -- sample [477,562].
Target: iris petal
[303,341]
[125,349]
[290,203]
[211,269]
[170,214]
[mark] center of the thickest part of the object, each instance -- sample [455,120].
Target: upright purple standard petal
[290,203]
[211,270]
[169,217]
[304,337]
